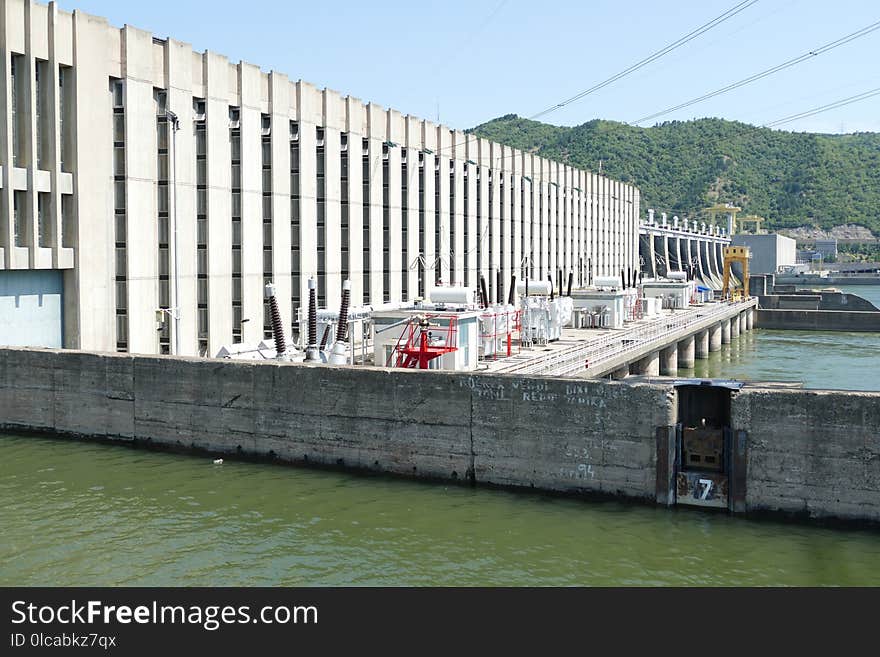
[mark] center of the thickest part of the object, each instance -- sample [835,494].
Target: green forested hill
[792,179]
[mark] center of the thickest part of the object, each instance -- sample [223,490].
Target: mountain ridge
[791,178]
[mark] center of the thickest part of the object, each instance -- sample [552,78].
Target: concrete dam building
[146,186]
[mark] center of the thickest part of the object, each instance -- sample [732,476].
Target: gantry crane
[724,209]
[752,219]
[732,254]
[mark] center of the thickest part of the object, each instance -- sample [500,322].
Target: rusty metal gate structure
[701,461]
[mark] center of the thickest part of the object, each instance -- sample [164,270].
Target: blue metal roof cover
[712,383]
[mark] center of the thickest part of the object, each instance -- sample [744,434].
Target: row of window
[485,258]
[42,117]
[120,232]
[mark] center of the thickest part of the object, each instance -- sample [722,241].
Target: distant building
[769,252]
[828,248]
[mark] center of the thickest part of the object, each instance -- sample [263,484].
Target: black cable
[765,73]
[730,13]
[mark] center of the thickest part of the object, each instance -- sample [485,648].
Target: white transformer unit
[651,306]
[672,294]
[497,326]
[561,309]
[599,308]
[450,295]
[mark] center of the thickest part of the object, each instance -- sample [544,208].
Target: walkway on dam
[596,352]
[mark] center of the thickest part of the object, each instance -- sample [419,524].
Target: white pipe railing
[574,359]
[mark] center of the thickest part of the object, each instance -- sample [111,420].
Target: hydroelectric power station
[196,254]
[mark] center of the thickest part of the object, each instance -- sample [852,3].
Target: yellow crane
[732,254]
[752,219]
[724,209]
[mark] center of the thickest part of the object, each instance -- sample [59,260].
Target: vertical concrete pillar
[279,108]
[443,265]
[750,319]
[429,136]
[742,322]
[701,344]
[412,263]
[669,361]
[251,252]
[472,239]
[457,211]
[686,353]
[725,331]
[179,65]
[483,243]
[649,365]
[620,373]
[505,209]
[334,126]
[219,202]
[734,327]
[494,216]
[715,338]
[377,126]
[516,213]
[393,287]
[356,120]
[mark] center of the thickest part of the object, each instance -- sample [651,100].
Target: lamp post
[175,126]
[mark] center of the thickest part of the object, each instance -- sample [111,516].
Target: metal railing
[580,357]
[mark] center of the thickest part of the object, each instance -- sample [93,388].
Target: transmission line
[730,13]
[767,72]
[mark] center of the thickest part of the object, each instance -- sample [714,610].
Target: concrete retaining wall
[819,320]
[808,452]
[814,453]
[551,434]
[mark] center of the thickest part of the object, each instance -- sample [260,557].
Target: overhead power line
[747,129]
[825,108]
[765,73]
[730,13]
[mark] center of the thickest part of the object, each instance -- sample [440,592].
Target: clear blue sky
[481,59]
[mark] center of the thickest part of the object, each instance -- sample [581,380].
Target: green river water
[86,514]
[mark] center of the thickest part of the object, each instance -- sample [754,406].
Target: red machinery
[421,342]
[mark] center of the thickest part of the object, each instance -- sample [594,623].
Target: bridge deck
[596,352]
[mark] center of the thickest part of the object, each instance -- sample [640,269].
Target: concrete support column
[750,319]
[701,345]
[686,353]
[725,331]
[669,361]
[734,327]
[715,338]
[649,365]
[742,322]
[620,373]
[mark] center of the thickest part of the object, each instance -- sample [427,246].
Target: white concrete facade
[266,179]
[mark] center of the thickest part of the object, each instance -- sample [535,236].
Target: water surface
[87,514]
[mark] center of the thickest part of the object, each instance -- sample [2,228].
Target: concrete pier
[750,320]
[734,327]
[725,331]
[647,366]
[686,353]
[715,338]
[669,361]
[742,323]
[620,373]
[701,345]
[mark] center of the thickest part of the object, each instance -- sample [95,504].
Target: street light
[175,127]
